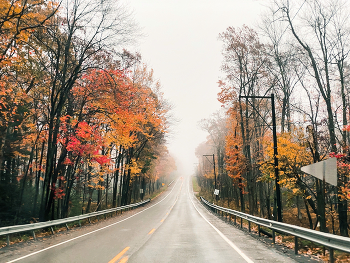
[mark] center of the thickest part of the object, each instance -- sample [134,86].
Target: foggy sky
[181,44]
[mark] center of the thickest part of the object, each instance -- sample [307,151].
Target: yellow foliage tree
[292,155]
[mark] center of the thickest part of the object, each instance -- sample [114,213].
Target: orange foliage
[236,164]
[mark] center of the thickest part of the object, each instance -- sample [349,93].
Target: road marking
[125,259]
[220,233]
[119,255]
[69,240]
[162,220]
[150,232]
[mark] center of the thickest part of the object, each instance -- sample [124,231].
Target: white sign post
[325,170]
[216,192]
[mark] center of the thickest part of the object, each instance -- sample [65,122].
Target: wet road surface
[173,228]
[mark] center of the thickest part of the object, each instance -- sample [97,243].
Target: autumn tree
[215,126]
[301,56]
[18,21]
[323,34]
[69,42]
[244,64]
[235,161]
[78,115]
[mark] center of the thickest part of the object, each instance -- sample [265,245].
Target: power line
[291,21]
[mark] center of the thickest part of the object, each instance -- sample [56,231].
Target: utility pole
[206,156]
[277,198]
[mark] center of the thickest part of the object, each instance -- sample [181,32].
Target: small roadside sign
[216,192]
[141,191]
[324,170]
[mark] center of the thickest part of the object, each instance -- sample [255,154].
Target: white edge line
[220,233]
[69,240]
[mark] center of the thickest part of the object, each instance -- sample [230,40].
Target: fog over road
[173,228]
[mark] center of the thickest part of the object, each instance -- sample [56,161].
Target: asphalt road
[173,228]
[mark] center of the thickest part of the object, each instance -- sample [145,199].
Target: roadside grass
[196,187]
[156,193]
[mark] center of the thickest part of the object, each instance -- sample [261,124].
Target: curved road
[174,228]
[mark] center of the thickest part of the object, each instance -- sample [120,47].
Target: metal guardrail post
[7,231]
[331,255]
[259,230]
[34,235]
[296,245]
[330,241]
[249,226]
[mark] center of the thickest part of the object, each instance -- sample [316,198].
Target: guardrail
[35,226]
[325,239]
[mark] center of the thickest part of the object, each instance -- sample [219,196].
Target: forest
[289,74]
[83,122]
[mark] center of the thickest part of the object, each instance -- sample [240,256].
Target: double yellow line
[123,260]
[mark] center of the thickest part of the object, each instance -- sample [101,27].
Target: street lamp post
[277,198]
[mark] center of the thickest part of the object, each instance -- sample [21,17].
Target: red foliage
[102,159]
[347,128]
[67,161]
[84,131]
[336,155]
[73,144]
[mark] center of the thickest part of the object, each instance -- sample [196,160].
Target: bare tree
[315,28]
[342,49]
[282,66]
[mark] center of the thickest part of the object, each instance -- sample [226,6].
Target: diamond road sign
[326,170]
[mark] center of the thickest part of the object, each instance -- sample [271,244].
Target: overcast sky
[181,44]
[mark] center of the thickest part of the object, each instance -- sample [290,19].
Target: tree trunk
[321,209]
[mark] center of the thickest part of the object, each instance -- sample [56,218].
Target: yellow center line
[167,213]
[162,220]
[123,260]
[150,232]
[119,255]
